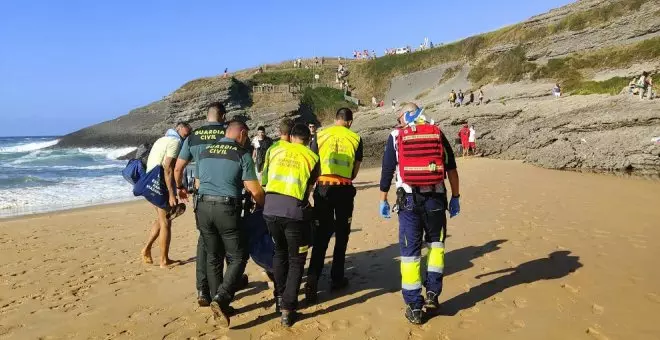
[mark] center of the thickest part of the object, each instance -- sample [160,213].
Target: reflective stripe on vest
[337,147]
[290,166]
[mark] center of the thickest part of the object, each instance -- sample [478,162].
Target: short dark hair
[218,106]
[301,131]
[311,122]
[344,114]
[237,123]
[184,125]
[261,128]
[285,126]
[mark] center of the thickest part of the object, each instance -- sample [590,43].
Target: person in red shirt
[464,134]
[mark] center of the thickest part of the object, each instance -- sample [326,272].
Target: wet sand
[535,254]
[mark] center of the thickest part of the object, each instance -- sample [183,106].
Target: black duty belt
[220,199]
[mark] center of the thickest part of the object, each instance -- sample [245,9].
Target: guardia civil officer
[225,168]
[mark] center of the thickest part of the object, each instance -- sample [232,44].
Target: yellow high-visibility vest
[290,166]
[337,147]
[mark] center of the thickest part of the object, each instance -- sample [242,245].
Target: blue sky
[68,64]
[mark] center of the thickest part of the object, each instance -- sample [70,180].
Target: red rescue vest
[421,155]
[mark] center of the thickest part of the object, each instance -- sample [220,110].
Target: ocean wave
[109,153]
[28,147]
[71,192]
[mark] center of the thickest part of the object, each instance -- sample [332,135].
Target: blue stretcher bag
[152,187]
[262,247]
[133,171]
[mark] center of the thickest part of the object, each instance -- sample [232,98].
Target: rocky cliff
[594,132]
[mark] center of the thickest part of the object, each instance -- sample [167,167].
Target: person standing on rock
[160,178]
[481,96]
[340,151]
[472,141]
[260,145]
[452,98]
[460,96]
[421,158]
[464,135]
[199,139]
[225,169]
[293,169]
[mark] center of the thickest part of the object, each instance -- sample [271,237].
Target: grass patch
[569,70]
[450,73]
[611,86]
[510,66]
[299,76]
[595,16]
[323,102]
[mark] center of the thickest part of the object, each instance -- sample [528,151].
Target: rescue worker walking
[193,146]
[340,151]
[421,157]
[225,168]
[291,176]
[285,130]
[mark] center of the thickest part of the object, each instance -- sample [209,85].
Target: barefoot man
[162,155]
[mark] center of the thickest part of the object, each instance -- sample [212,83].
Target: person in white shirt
[472,140]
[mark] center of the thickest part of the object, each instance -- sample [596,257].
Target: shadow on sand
[557,265]
[377,273]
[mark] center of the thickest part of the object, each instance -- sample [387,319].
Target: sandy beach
[535,254]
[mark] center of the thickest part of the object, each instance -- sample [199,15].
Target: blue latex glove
[454,207]
[384,209]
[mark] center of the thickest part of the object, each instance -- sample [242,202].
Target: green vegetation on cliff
[373,77]
[323,102]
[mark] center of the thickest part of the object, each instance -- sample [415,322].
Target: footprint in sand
[341,324]
[570,288]
[517,325]
[596,334]
[653,297]
[520,302]
[465,324]
[597,309]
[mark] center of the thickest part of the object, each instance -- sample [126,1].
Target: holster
[195,197]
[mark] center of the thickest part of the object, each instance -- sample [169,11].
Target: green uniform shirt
[223,166]
[199,139]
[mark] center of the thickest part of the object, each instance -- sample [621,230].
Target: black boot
[221,311]
[203,298]
[414,315]
[311,290]
[288,318]
[278,304]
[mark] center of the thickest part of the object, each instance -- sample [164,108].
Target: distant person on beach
[260,145]
[193,146]
[293,169]
[460,97]
[340,151]
[471,98]
[452,98]
[472,140]
[393,104]
[312,131]
[464,135]
[420,157]
[644,84]
[161,159]
[225,169]
[556,90]
[481,96]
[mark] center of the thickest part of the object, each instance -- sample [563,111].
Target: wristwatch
[455,196]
